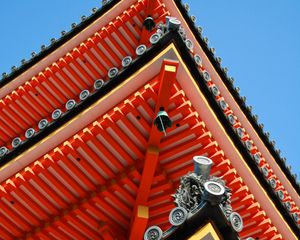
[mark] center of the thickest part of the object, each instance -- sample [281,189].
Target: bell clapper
[162,121]
[164,130]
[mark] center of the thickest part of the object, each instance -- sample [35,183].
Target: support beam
[167,78]
[140,222]
[151,159]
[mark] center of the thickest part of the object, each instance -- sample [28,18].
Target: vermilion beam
[139,222]
[148,173]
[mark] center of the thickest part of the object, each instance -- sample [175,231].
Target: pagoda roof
[61,153]
[109,86]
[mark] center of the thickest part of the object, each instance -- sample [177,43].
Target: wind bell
[162,121]
[149,23]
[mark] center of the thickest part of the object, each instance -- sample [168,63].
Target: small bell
[162,121]
[149,23]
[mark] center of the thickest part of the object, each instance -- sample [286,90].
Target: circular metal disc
[295,216]
[174,24]
[273,183]
[236,221]
[16,142]
[140,50]
[43,124]
[98,84]
[177,216]
[29,133]
[113,72]
[155,38]
[215,91]
[223,105]
[240,132]
[231,119]
[126,61]
[206,76]
[56,114]
[198,59]
[257,158]
[84,94]
[189,44]
[280,194]
[153,233]
[3,151]
[202,160]
[70,104]
[214,188]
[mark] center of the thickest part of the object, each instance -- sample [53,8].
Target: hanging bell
[149,23]
[162,121]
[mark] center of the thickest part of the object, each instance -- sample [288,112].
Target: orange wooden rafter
[71,211]
[46,94]
[139,221]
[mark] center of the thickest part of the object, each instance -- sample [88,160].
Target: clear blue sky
[258,40]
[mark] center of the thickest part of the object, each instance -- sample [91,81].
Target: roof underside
[75,71]
[89,183]
[88,173]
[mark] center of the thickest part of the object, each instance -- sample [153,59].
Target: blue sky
[259,42]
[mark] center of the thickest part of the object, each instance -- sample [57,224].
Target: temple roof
[141,98]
